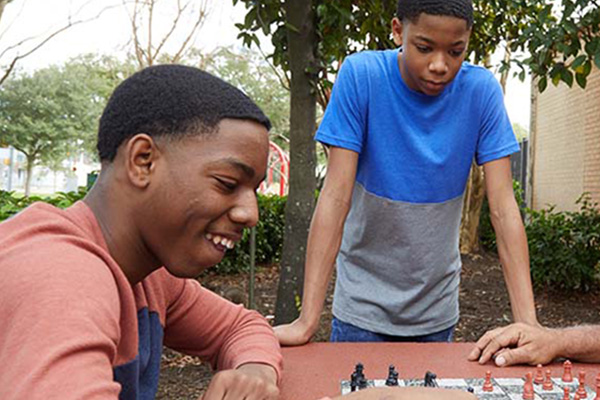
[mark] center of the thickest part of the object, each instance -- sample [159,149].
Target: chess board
[504,388]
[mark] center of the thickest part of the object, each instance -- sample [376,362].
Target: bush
[564,247]
[10,203]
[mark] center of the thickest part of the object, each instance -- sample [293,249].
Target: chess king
[403,127]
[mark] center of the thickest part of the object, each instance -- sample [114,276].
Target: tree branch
[199,22]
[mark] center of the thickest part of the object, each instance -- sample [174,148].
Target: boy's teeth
[216,239]
[209,236]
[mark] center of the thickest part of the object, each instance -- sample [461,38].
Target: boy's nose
[438,65]
[246,211]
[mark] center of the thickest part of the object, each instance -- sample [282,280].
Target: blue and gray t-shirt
[398,269]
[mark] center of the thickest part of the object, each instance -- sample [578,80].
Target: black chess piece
[392,379]
[430,379]
[357,379]
[470,390]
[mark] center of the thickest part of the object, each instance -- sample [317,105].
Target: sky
[110,33]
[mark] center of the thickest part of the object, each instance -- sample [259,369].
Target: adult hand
[407,393]
[297,333]
[517,343]
[249,381]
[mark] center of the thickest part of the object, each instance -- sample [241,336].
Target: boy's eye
[456,53]
[227,185]
[423,49]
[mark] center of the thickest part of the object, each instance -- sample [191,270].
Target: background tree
[250,72]
[53,112]
[150,44]
[550,47]
[12,53]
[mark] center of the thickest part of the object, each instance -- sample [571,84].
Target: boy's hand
[517,344]
[249,381]
[295,334]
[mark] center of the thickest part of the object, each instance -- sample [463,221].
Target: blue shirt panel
[414,147]
[139,377]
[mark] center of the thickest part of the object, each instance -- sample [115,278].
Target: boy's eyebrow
[430,41]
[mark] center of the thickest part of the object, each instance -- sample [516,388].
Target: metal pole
[252,267]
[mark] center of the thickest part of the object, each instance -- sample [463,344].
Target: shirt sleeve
[496,136]
[206,325]
[61,330]
[343,123]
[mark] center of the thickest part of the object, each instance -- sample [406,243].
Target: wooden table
[315,370]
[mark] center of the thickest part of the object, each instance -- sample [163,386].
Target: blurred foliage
[269,238]
[561,39]
[564,247]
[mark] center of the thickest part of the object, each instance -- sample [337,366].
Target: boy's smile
[433,49]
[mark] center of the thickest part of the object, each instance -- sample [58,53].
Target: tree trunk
[29,169]
[298,212]
[473,200]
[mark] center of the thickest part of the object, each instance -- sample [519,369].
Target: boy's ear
[397,31]
[141,155]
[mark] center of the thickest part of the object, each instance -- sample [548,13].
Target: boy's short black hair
[170,100]
[411,9]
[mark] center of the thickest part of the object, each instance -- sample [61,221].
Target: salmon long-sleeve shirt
[72,327]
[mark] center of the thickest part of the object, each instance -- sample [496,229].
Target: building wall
[566,145]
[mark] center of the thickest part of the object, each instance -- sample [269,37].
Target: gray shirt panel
[398,269]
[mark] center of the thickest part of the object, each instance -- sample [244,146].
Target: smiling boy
[90,294]
[403,127]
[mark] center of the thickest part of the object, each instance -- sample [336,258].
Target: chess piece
[539,376]
[430,379]
[548,385]
[357,379]
[576,396]
[487,384]
[528,387]
[597,387]
[567,373]
[581,389]
[566,393]
[392,379]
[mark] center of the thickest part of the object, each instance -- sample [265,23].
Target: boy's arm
[525,344]
[324,240]
[511,239]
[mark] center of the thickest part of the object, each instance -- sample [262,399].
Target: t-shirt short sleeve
[496,137]
[343,124]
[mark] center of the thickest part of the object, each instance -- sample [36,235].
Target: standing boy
[89,295]
[403,127]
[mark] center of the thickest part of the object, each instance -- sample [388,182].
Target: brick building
[565,145]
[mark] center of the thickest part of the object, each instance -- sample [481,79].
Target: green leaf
[578,61]
[567,77]
[543,84]
[581,80]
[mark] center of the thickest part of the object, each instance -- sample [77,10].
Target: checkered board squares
[504,388]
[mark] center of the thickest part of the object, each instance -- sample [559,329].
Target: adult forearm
[581,343]
[514,257]
[324,242]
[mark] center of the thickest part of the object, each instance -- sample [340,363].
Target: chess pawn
[567,374]
[566,393]
[581,389]
[597,387]
[547,385]
[528,387]
[539,376]
[487,384]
